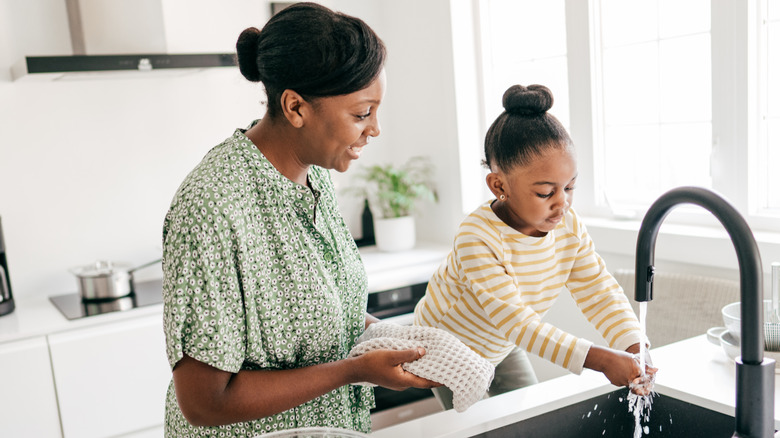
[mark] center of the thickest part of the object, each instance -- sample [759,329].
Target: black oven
[397,305]
[396,302]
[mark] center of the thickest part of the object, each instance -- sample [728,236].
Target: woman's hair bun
[246,53]
[530,100]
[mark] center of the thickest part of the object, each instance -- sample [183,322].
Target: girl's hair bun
[246,53]
[530,100]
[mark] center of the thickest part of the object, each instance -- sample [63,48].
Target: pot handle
[145,265]
[4,295]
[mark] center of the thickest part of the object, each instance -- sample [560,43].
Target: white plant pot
[394,234]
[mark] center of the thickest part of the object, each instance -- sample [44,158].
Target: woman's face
[340,126]
[537,195]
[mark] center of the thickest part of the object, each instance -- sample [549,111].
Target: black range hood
[128,36]
[141,62]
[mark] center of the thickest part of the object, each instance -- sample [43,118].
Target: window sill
[688,244]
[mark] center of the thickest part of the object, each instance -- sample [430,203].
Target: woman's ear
[291,107]
[495,183]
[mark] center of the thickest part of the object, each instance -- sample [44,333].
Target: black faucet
[755,404]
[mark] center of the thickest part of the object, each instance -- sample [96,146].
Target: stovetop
[145,293]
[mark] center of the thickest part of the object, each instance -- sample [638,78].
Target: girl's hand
[643,385]
[621,368]
[384,368]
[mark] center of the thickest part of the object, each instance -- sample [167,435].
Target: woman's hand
[208,396]
[384,368]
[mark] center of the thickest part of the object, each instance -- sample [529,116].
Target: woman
[264,289]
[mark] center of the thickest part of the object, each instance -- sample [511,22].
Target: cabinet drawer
[28,404]
[111,379]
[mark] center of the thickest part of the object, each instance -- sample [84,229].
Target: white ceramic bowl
[731,319]
[725,339]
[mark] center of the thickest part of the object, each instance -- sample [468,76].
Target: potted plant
[393,194]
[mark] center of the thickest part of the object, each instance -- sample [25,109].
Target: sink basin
[607,415]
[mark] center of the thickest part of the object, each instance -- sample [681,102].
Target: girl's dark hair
[525,130]
[311,50]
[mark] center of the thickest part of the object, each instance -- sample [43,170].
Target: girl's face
[536,196]
[340,126]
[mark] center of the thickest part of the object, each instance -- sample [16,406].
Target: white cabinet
[111,379]
[28,404]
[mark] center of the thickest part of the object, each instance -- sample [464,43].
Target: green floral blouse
[261,273]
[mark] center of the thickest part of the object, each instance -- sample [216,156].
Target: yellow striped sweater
[497,283]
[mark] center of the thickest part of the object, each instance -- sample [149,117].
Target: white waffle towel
[447,360]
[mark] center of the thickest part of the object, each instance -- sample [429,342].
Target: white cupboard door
[111,379]
[28,404]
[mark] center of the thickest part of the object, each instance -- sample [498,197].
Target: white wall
[418,115]
[88,167]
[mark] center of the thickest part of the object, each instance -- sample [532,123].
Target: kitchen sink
[607,415]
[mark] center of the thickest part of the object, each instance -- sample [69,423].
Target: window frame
[736,79]
[699,238]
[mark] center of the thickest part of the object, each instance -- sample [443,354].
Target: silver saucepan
[105,280]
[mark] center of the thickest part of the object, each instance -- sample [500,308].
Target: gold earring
[502,197]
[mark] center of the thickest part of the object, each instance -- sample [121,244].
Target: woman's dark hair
[525,130]
[311,50]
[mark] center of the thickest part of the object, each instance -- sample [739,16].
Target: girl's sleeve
[600,298]
[482,265]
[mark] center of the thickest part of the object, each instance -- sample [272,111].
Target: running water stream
[640,405]
[643,329]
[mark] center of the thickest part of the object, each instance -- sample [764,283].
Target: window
[769,73]
[655,91]
[522,42]
[524,48]
[661,94]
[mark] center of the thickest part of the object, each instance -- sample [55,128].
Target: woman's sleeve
[204,315]
[600,298]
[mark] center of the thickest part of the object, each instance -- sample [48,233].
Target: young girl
[515,254]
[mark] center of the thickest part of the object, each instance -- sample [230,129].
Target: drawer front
[28,404]
[111,379]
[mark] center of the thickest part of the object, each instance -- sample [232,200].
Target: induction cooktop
[145,293]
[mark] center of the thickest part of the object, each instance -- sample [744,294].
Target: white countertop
[35,315]
[693,370]
[389,270]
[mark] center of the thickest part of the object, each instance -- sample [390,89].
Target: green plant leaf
[394,191]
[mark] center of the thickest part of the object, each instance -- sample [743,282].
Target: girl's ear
[495,183]
[291,107]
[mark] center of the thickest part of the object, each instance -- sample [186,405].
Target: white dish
[722,337]
[731,319]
